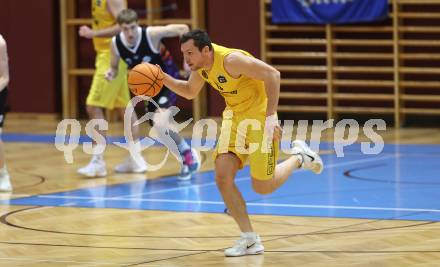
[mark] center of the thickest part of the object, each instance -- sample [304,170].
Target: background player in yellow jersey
[5,183]
[104,94]
[250,88]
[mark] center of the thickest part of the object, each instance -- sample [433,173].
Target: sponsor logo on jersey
[221,79]
[146,59]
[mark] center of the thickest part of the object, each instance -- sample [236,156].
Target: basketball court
[362,210]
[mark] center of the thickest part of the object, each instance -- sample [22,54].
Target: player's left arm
[4,68]
[157,33]
[237,64]
[114,7]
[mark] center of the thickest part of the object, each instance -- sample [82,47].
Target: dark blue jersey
[141,52]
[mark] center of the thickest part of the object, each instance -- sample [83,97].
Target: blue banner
[328,11]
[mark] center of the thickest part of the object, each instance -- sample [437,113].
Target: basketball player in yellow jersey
[250,88]
[104,94]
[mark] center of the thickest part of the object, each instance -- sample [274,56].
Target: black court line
[42,179]
[103,247]
[170,258]
[310,233]
[4,220]
[325,231]
[349,175]
[202,160]
[352,252]
[296,251]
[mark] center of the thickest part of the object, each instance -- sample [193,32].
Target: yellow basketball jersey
[102,18]
[242,94]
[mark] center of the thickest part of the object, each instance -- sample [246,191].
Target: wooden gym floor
[379,210]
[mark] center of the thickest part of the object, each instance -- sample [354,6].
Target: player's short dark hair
[200,37]
[127,16]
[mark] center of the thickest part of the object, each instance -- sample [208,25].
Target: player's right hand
[110,75]
[161,75]
[272,129]
[86,32]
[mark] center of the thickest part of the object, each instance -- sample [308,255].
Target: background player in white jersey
[135,45]
[104,94]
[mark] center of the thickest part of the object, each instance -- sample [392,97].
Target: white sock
[3,171]
[249,235]
[183,146]
[98,156]
[135,149]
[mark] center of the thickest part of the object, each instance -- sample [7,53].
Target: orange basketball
[145,79]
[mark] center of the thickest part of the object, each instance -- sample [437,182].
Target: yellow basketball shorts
[242,135]
[105,94]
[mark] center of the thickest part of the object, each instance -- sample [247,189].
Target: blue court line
[401,182]
[404,186]
[356,147]
[48,138]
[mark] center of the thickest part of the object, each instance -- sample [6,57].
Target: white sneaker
[310,159]
[190,164]
[95,168]
[184,174]
[5,183]
[130,165]
[245,246]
